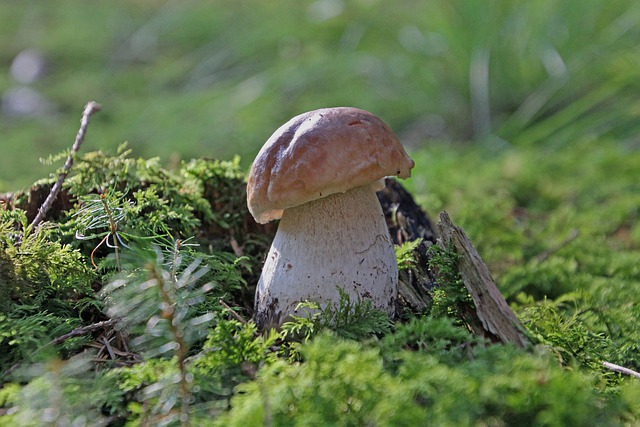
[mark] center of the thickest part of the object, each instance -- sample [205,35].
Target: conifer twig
[89,109]
[168,312]
[621,369]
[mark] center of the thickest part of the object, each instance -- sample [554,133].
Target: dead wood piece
[406,222]
[107,345]
[495,315]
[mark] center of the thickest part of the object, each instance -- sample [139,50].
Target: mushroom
[319,172]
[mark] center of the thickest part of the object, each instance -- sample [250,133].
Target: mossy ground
[573,290]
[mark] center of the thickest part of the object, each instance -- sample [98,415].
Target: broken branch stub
[495,315]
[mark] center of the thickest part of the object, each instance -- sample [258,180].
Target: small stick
[108,347]
[89,109]
[83,330]
[546,254]
[235,246]
[621,369]
[232,311]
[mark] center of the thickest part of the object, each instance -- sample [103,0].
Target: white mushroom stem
[340,240]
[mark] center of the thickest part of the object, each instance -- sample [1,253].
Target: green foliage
[154,300]
[164,298]
[560,235]
[506,386]
[232,343]
[404,254]
[56,396]
[25,334]
[338,387]
[355,319]
[160,300]
[213,78]
[568,337]
[451,297]
[221,182]
[156,304]
[435,336]
[46,281]
[574,292]
[146,199]
[230,355]
[37,269]
[42,283]
[122,201]
[496,385]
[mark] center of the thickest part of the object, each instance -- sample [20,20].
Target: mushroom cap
[319,153]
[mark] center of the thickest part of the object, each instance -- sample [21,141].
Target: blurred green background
[523,118]
[181,79]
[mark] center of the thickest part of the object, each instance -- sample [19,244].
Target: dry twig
[233,312]
[621,369]
[235,246]
[108,347]
[546,254]
[83,330]
[89,109]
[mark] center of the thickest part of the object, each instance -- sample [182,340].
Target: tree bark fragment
[495,315]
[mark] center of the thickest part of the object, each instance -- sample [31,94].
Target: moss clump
[109,205]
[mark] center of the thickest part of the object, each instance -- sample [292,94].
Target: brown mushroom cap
[319,153]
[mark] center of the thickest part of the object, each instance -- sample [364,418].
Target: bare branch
[83,330]
[89,109]
[232,312]
[621,369]
[546,254]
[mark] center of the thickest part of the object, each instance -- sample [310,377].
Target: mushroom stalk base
[338,241]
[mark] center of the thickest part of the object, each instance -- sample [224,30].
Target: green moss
[573,291]
[498,385]
[450,298]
